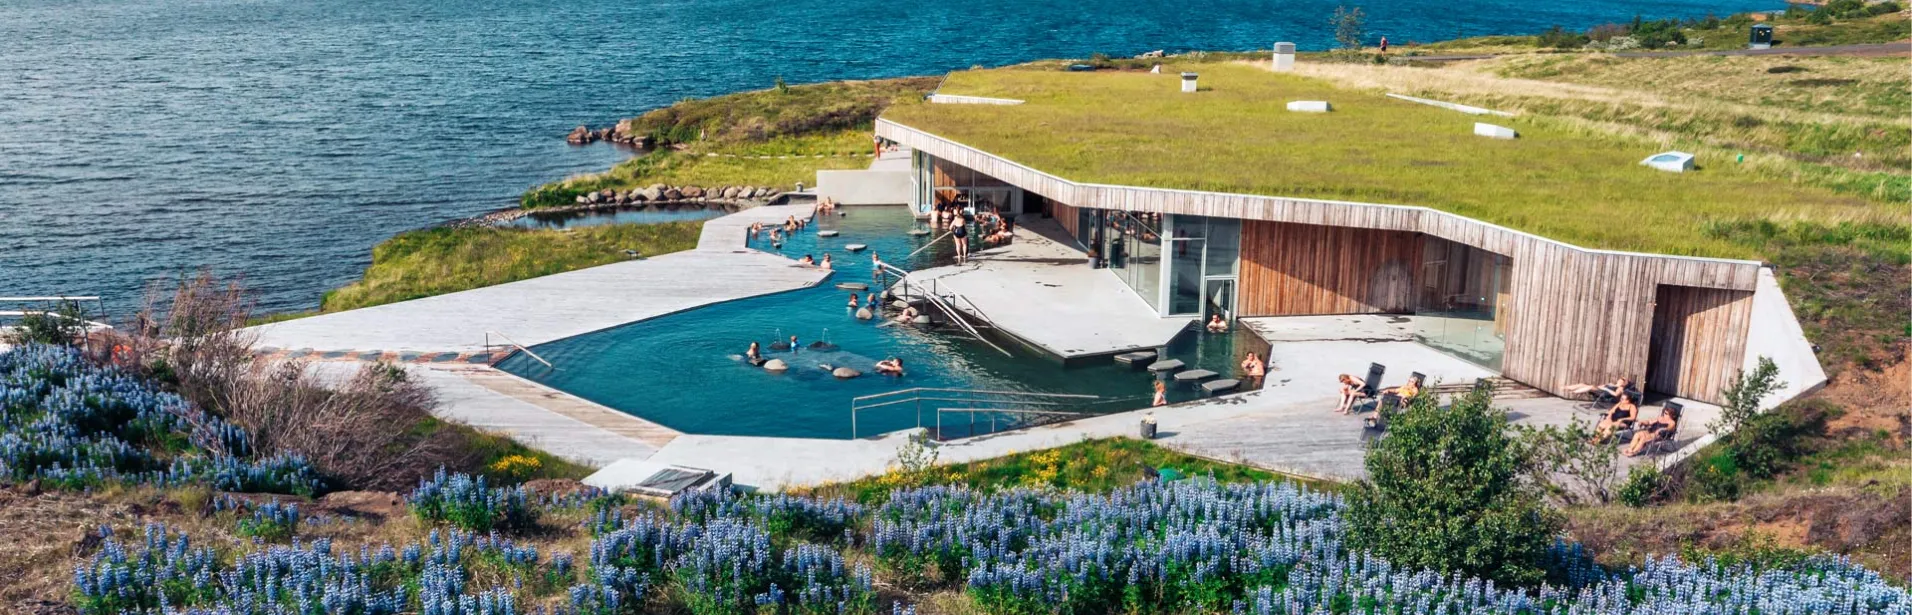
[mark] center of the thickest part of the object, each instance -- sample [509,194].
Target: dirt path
[1871,51]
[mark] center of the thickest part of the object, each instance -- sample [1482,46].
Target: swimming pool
[684,370]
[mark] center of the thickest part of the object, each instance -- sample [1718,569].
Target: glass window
[1224,246]
[1462,302]
[1185,277]
[1190,227]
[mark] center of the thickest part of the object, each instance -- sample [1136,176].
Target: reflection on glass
[1462,301]
[1224,246]
[1185,273]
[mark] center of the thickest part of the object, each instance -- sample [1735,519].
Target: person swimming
[807,261]
[793,344]
[871,302]
[854,301]
[890,367]
[908,316]
[826,262]
[754,356]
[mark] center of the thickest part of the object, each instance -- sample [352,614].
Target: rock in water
[826,233]
[775,365]
[845,373]
[922,319]
[864,314]
[855,247]
[900,304]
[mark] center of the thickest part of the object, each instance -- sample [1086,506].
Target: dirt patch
[370,504]
[41,538]
[1875,401]
[1871,527]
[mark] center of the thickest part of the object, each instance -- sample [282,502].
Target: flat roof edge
[881,122]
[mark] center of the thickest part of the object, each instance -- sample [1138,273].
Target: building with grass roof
[1552,258]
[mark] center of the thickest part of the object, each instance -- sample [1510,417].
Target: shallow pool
[685,370]
[622,215]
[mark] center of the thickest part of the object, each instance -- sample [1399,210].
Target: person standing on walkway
[961,235]
[1384,44]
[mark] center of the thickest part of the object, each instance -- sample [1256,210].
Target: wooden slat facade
[1698,340]
[1301,269]
[1576,315]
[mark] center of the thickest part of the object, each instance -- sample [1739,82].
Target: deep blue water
[282,138]
[711,390]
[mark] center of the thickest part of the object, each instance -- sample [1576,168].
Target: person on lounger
[890,367]
[1623,415]
[1611,389]
[1404,394]
[1661,428]
[1351,392]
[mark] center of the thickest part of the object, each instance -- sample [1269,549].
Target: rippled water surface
[282,138]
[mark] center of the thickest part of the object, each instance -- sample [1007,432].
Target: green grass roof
[1571,184]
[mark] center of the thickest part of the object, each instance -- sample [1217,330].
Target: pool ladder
[934,299]
[510,343]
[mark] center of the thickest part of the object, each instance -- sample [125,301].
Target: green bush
[1642,487]
[1559,38]
[1451,489]
[1714,477]
[63,325]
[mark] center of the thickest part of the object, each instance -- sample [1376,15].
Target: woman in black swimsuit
[961,233]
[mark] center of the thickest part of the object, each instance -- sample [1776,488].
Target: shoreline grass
[443,260]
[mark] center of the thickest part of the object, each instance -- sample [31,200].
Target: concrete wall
[1775,333]
[865,187]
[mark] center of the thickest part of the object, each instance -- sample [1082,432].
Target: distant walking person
[1384,44]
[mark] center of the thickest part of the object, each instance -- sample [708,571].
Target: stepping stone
[855,247]
[1164,367]
[1194,375]
[1214,387]
[826,233]
[852,286]
[1136,359]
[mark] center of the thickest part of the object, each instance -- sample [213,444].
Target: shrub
[1642,487]
[270,521]
[1451,489]
[1559,38]
[516,467]
[471,503]
[64,325]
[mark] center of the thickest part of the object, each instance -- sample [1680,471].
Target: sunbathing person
[1611,389]
[1217,325]
[1662,428]
[890,367]
[1351,391]
[1623,415]
[1404,394]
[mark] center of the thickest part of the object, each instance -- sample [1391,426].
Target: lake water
[280,139]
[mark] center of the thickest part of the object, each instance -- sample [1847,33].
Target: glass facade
[1129,244]
[1205,255]
[1462,301]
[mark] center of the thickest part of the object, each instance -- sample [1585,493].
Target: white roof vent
[1677,162]
[1494,132]
[1309,106]
[1188,82]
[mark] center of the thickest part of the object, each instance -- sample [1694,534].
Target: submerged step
[1139,358]
[1194,375]
[1221,386]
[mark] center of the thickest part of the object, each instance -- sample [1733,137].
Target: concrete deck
[558,306]
[1044,293]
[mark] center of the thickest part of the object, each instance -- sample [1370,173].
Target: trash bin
[1148,430]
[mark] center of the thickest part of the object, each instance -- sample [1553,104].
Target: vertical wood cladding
[1698,340]
[1299,269]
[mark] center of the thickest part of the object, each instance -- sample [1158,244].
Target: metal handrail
[514,343]
[992,412]
[918,395]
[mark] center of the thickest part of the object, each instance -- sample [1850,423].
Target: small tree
[1350,27]
[63,325]
[1744,395]
[917,454]
[1570,463]
[1451,489]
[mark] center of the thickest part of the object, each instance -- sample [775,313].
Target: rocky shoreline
[621,133]
[655,195]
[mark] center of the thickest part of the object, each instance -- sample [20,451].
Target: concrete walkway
[562,305]
[1044,293]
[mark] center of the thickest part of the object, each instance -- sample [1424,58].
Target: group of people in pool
[755,357]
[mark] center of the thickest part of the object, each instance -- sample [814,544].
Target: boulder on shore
[693,192]
[673,194]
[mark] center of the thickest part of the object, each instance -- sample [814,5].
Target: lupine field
[470,547]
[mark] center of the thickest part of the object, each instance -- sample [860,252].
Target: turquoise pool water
[684,370]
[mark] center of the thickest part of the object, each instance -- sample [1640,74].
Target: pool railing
[999,401]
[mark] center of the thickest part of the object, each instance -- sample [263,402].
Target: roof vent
[1676,162]
[1284,57]
[1188,82]
[1493,132]
[1309,106]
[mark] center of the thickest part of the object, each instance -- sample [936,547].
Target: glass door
[1219,298]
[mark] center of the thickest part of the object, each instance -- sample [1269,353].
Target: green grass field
[1094,466]
[1578,186]
[443,260]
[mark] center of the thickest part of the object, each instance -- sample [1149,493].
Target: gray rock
[693,192]
[593,197]
[776,365]
[583,200]
[826,233]
[845,373]
[856,247]
[638,196]
[653,193]
[922,319]
[900,304]
[673,194]
[864,314]
[731,192]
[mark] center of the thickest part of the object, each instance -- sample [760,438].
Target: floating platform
[826,233]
